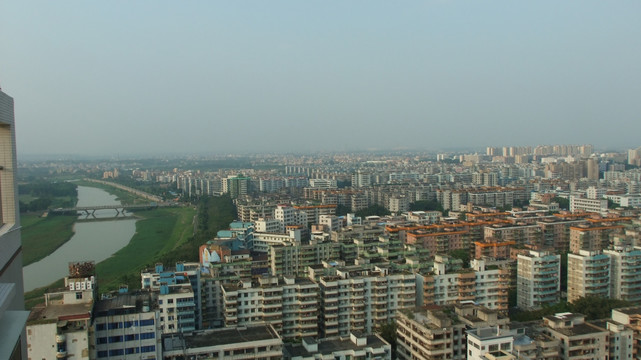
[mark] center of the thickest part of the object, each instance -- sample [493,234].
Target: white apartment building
[595,193]
[625,280]
[323,183]
[538,279]
[482,341]
[177,308]
[61,327]
[580,204]
[398,204]
[359,300]
[268,225]
[288,215]
[331,222]
[588,275]
[262,242]
[288,304]
[423,217]
[361,179]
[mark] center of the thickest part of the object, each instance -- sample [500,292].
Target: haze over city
[146,77]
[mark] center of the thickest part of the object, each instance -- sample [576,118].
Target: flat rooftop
[219,337]
[328,346]
[58,312]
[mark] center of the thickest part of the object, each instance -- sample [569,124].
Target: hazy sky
[123,77]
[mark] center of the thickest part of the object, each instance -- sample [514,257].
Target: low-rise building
[357,346]
[250,342]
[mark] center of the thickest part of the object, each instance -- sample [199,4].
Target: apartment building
[177,285]
[630,318]
[355,299]
[589,274]
[293,259]
[61,327]
[178,308]
[448,284]
[314,212]
[126,326]
[555,232]
[288,215]
[592,238]
[581,204]
[488,340]
[625,279]
[538,279]
[429,335]
[289,304]
[520,234]
[579,339]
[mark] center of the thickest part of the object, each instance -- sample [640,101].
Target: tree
[373,210]
[462,255]
[564,203]
[594,307]
[426,205]
[342,210]
[388,332]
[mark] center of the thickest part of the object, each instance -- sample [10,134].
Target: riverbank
[41,236]
[125,197]
[158,233]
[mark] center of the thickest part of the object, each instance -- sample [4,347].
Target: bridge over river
[120,209]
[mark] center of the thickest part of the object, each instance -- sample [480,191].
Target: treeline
[47,194]
[214,214]
[592,307]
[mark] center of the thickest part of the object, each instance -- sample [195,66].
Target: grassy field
[42,236]
[158,233]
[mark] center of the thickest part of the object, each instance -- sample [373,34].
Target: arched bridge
[120,209]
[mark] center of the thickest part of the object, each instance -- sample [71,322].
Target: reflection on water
[92,241]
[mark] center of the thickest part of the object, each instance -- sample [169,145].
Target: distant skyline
[150,77]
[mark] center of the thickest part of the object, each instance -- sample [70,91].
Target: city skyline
[105,80]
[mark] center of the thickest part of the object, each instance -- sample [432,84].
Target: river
[92,241]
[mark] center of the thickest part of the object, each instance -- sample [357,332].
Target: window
[146,322]
[170,301]
[101,340]
[114,339]
[150,348]
[493,347]
[116,352]
[506,346]
[103,354]
[148,335]
[78,296]
[101,327]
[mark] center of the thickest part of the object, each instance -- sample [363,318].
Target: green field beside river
[158,232]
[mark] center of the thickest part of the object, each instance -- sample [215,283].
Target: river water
[92,241]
